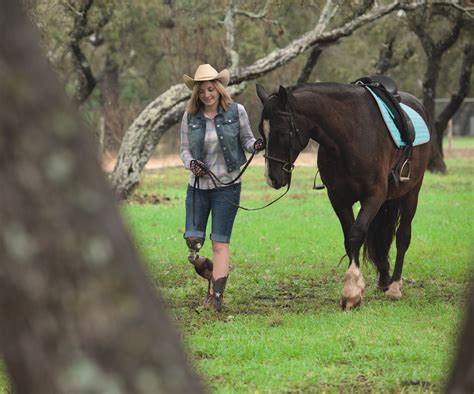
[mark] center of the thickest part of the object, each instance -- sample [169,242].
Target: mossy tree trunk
[78,313]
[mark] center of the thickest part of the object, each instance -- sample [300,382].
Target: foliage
[155,42]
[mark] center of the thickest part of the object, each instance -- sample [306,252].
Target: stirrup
[405,178]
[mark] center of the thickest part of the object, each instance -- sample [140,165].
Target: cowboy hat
[205,72]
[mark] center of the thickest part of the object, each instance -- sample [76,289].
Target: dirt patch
[467,153]
[148,199]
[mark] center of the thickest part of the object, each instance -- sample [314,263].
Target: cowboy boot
[218,287]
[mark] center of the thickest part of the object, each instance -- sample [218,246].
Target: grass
[282,330]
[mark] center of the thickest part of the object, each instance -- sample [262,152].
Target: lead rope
[215,180]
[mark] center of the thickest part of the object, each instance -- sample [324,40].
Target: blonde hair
[194,104]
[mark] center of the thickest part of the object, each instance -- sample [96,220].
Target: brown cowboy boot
[218,287]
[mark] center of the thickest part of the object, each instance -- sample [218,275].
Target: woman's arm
[246,136]
[185,150]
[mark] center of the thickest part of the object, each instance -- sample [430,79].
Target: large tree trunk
[430,82]
[436,42]
[462,372]
[143,135]
[78,314]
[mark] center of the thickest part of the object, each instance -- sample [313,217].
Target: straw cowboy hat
[205,72]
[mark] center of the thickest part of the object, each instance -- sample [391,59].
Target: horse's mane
[313,87]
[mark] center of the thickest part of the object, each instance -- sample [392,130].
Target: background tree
[78,313]
[461,379]
[438,29]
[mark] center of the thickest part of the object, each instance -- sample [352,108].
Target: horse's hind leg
[408,205]
[379,238]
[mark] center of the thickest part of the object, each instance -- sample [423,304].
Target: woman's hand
[259,145]
[198,168]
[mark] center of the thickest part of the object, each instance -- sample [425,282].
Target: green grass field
[283,330]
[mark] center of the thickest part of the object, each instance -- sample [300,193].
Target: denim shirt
[227,129]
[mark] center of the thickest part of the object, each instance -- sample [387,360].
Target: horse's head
[283,140]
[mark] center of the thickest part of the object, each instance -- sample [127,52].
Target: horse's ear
[282,96]
[261,93]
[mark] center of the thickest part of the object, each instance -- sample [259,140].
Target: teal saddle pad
[422,134]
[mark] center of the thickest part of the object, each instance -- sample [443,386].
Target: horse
[356,157]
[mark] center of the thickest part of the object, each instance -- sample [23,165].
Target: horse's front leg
[354,284]
[345,215]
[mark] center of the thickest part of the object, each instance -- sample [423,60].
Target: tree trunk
[462,371]
[435,46]
[110,106]
[78,314]
[143,135]
[430,81]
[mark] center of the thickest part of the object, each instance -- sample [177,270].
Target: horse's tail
[380,234]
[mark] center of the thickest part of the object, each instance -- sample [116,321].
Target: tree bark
[78,314]
[386,60]
[110,105]
[310,64]
[462,372]
[434,51]
[85,80]
[141,138]
[457,98]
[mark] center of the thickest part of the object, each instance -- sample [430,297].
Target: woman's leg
[221,258]
[224,209]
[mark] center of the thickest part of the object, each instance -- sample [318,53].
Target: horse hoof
[395,290]
[353,291]
[350,303]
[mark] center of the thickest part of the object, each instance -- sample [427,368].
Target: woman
[215,131]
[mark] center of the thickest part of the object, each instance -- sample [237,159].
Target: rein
[218,183]
[288,165]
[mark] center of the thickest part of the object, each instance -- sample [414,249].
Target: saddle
[386,89]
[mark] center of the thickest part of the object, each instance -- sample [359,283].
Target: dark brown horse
[355,158]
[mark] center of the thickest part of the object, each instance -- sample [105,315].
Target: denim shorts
[218,202]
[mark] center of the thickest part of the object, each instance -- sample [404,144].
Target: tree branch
[283,55]
[232,55]
[85,79]
[310,64]
[386,59]
[261,15]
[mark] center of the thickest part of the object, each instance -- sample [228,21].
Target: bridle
[287,165]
